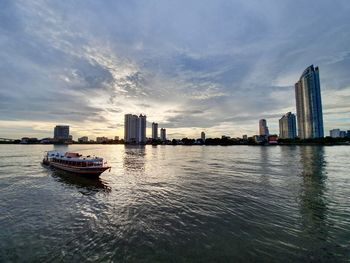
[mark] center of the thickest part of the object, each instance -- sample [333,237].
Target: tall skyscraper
[154,131]
[309,104]
[288,129]
[163,134]
[131,124]
[203,136]
[263,129]
[142,129]
[61,132]
[134,128]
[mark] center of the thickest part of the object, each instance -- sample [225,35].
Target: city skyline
[213,66]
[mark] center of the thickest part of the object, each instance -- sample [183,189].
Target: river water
[178,204]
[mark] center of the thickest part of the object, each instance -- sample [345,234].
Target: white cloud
[218,66]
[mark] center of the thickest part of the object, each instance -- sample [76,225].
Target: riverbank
[219,142]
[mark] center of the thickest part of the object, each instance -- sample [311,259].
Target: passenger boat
[76,163]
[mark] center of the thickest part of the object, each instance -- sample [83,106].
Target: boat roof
[72,156]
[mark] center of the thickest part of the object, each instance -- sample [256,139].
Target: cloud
[213,65]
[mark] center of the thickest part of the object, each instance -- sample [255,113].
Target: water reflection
[313,200]
[134,158]
[85,185]
[60,147]
[181,204]
[265,160]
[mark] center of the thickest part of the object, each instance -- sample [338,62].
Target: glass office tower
[309,104]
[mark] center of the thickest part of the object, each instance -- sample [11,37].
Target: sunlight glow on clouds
[217,66]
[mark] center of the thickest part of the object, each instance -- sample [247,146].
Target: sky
[191,66]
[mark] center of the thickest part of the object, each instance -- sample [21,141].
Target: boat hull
[85,171]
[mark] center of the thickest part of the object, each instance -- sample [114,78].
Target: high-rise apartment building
[142,129]
[61,132]
[309,104]
[203,136]
[163,134]
[154,131]
[263,129]
[287,124]
[131,125]
[134,128]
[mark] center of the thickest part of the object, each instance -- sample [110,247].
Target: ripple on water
[178,204]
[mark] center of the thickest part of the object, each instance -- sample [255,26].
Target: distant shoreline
[263,145]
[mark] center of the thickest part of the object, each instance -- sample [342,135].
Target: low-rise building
[259,138]
[342,134]
[26,140]
[101,139]
[335,133]
[272,139]
[83,139]
[46,140]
